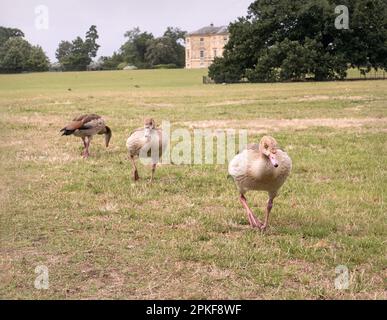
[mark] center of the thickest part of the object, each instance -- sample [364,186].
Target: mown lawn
[186,236]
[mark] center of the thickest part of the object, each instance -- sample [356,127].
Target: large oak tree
[291,40]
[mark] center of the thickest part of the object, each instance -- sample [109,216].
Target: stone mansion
[203,45]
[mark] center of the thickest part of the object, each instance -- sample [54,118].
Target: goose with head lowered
[85,127]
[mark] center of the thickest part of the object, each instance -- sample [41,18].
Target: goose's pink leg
[268,209]
[254,221]
[135,172]
[153,171]
[85,152]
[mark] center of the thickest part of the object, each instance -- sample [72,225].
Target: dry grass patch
[262,125]
[326,97]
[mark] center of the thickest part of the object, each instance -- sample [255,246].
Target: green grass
[186,236]
[372,74]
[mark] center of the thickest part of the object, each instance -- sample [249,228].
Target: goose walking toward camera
[262,167]
[85,127]
[145,142]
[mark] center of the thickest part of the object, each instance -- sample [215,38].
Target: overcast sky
[70,18]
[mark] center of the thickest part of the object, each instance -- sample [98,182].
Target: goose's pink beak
[273,160]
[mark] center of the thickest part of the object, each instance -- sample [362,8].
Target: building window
[215,53]
[202,41]
[225,38]
[188,54]
[201,54]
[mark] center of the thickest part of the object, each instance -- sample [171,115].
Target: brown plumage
[85,127]
[264,167]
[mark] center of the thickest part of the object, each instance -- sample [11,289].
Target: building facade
[203,45]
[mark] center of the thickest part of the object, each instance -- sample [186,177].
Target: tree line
[140,50]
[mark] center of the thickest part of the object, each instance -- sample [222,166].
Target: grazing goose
[146,142]
[263,167]
[85,127]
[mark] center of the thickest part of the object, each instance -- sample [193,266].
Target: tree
[225,70]
[6,33]
[38,60]
[90,42]
[167,49]
[14,55]
[176,34]
[365,43]
[161,51]
[134,49]
[278,37]
[64,49]
[77,55]
[111,63]
[17,54]
[177,37]
[143,50]
[79,58]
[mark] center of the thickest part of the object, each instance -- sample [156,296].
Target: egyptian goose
[85,127]
[146,142]
[263,167]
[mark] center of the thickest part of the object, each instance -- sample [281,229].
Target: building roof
[209,30]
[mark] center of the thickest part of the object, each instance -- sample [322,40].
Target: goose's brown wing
[71,127]
[79,122]
[87,117]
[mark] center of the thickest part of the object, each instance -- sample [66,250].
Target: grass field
[186,235]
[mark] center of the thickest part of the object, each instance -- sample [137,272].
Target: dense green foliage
[6,33]
[78,54]
[135,47]
[111,63]
[143,50]
[38,61]
[293,40]
[18,55]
